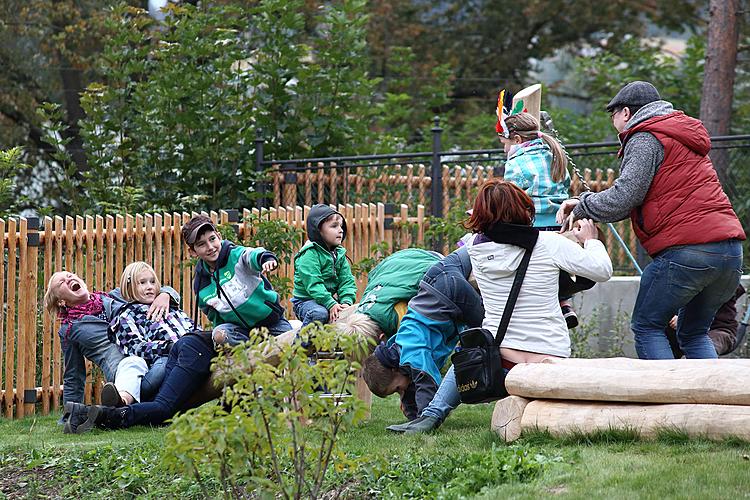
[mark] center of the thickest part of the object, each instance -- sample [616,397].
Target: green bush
[273,432]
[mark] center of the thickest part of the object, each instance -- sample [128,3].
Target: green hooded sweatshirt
[394,280]
[321,273]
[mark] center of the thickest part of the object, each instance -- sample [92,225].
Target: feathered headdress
[500,127]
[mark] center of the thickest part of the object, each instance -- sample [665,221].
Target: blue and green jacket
[236,279]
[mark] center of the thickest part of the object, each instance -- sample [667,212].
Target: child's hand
[333,313]
[269,265]
[159,307]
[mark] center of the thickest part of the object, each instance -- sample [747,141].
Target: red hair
[500,201]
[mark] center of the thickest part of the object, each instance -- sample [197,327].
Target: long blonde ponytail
[526,127]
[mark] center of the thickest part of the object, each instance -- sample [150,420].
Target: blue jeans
[447,397]
[308,311]
[692,281]
[152,380]
[237,334]
[187,369]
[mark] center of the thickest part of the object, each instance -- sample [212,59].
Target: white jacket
[537,324]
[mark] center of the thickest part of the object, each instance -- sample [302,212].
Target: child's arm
[307,267]
[255,258]
[346,284]
[131,341]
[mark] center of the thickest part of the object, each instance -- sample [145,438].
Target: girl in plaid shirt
[537,164]
[136,333]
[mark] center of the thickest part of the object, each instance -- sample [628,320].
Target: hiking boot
[422,424]
[571,318]
[78,418]
[111,396]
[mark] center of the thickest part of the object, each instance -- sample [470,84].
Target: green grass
[612,464]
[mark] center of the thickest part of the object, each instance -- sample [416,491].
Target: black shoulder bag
[478,365]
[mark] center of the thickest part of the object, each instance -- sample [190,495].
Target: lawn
[38,461]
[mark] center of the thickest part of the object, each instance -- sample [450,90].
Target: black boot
[77,416]
[422,424]
[107,417]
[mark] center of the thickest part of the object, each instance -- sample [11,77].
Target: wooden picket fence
[407,183]
[98,248]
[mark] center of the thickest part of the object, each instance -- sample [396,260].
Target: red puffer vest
[685,203]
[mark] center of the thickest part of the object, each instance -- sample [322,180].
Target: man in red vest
[681,215]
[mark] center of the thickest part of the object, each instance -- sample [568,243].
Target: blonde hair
[51,300]
[354,323]
[128,280]
[526,127]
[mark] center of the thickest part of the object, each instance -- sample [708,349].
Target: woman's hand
[566,209]
[159,307]
[585,229]
[269,265]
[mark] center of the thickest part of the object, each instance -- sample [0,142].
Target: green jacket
[323,276]
[238,271]
[394,280]
[321,273]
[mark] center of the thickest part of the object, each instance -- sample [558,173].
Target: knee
[319,313]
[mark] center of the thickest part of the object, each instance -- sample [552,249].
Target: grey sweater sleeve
[641,159]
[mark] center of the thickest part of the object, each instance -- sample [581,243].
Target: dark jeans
[188,367]
[692,281]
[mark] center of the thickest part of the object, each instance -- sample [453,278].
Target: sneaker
[422,424]
[571,318]
[111,396]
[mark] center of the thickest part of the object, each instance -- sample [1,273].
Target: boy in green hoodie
[230,286]
[323,281]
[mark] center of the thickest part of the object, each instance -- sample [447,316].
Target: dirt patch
[19,482]
[557,490]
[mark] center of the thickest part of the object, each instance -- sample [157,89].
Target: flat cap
[634,94]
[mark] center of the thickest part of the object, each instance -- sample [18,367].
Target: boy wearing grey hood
[323,281]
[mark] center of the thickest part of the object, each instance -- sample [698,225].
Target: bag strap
[511,303]
[226,297]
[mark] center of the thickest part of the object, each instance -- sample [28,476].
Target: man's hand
[673,323]
[565,210]
[159,307]
[269,265]
[333,312]
[585,230]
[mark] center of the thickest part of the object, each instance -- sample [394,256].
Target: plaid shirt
[137,335]
[530,168]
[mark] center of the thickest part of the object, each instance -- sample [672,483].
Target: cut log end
[506,419]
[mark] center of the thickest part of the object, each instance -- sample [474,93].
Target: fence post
[436,191]
[260,184]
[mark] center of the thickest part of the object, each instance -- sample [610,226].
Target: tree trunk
[72,88]
[710,383]
[719,72]
[506,418]
[696,420]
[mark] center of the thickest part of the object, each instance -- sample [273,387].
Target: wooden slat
[158,239]
[148,234]
[109,257]
[47,321]
[187,293]
[138,236]
[130,250]
[30,311]
[176,251]
[99,254]
[10,323]
[166,268]
[119,247]
[2,294]
[57,365]
[22,334]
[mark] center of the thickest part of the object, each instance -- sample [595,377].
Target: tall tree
[719,71]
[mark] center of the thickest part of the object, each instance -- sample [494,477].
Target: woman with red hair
[502,226]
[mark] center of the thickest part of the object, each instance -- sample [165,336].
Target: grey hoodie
[641,159]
